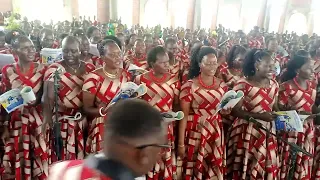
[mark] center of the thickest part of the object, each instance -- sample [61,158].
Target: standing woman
[201,138]
[138,56]
[163,94]
[99,88]
[25,156]
[176,64]
[233,72]
[296,93]
[85,54]
[73,71]
[256,159]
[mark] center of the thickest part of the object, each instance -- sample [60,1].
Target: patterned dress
[70,103]
[252,154]
[25,151]
[132,59]
[300,100]
[228,77]
[161,96]
[205,144]
[104,89]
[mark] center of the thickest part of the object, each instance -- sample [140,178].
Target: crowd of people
[183,69]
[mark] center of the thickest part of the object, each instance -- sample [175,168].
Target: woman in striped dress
[298,93]
[252,153]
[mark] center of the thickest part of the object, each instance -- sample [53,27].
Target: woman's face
[209,65]
[140,47]
[273,46]
[47,40]
[133,40]
[96,36]
[238,61]
[71,52]
[113,56]
[26,51]
[307,70]
[161,66]
[85,46]
[265,68]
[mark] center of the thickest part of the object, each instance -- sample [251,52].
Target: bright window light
[155,13]
[297,23]
[87,8]
[125,10]
[180,9]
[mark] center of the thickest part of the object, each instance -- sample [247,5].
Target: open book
[129,90]
[16,98]
[230,99]
[289,121]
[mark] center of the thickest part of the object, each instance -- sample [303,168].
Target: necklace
[155,79]
[206,86]
[28,74]
[109,75]
[297,84]
[74,69]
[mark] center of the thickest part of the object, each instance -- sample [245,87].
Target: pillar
[6,5]
[215,13]
[262,14]
[190,15]
[113,9]
[197,14]
[136,12]
[283,17]
[103,11]
[75,8]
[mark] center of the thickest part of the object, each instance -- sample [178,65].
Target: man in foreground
[134,135]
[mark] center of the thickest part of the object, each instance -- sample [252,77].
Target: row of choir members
[200,141]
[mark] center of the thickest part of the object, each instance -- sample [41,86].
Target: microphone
[292,145]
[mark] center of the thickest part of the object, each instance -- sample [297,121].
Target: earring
[257,69]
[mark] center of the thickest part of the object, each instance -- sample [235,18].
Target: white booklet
[16,98]
[289,121]
[230,99]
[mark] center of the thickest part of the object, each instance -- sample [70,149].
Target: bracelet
[181,145]
[100,112]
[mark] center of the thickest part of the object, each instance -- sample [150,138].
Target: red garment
[104,89]
[252,153]
[228,77]
[256,43]
[132,59]
[74,170]
[161,96]
[55,44]
[220,67]
[205,143]
[97,62]
[300,100]
[70,102]
[25,140]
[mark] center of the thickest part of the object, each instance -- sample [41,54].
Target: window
[155,13]
[228,16]
[125,11]
[207,13]
[277,8]
[315,8]
[88,8]
[180,9]
[250,13]
[297,23]
[45,11]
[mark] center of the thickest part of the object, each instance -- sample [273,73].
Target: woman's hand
[181,151]
[5,134]
[267,116]
[226,111]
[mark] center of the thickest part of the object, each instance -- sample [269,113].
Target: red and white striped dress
[300,100]
[205,143]
[161,95]
[25,151]
[70,103]
[252,153]
[104,89]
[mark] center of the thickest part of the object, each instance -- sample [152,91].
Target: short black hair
[234,52]
[78,32]
[71,39]
[297,61]
[101,46]
[115,39]
[252,57]
[154,53]
[17,40]
[90,30]
[11,35]
[133,118]
[170,41]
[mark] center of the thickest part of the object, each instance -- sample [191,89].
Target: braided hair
[235,51]
[298,60]
[197,55]
[255,55]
